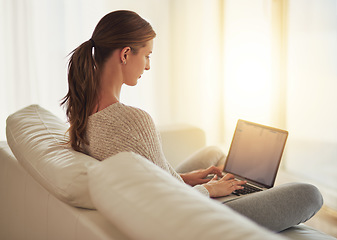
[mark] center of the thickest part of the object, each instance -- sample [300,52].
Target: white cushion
[145,202]
[37,137]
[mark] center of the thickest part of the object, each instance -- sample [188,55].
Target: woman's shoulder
[121,112]
[132,112]
[132,109]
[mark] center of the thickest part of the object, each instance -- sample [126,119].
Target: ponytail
[82,94]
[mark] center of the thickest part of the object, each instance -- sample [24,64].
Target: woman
[118,53]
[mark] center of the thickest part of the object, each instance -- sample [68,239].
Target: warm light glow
[248,82]
[248,63]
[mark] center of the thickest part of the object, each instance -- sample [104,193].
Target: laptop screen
[256,152]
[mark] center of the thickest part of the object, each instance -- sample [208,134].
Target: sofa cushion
[37,139]
[145,202]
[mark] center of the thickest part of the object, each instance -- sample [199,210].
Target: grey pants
[277,208]
[280,207]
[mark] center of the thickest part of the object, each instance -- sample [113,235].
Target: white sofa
[48,191]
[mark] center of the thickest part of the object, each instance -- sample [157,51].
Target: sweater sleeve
[151,147]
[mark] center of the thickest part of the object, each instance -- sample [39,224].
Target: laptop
[254,156]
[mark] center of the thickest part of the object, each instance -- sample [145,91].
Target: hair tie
[92,42]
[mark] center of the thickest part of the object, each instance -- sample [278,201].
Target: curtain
[36,37]
[197,65]
[311,94]
[252,56]
[228,63]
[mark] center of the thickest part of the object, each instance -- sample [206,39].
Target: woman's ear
[124,54]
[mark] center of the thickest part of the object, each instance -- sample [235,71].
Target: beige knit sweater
[121,128]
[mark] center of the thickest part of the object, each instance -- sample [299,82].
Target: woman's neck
[111,82]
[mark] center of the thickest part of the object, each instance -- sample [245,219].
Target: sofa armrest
[180,141]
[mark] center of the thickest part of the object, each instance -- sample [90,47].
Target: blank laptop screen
[255,152]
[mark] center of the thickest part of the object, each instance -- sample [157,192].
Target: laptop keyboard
[246,190]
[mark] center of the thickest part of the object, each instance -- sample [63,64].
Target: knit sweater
[120,128]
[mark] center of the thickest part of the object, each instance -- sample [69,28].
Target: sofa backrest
[38,139]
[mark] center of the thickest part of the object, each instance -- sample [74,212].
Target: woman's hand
[223,186]
[199,176]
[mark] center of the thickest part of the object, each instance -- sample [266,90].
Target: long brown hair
[115,30]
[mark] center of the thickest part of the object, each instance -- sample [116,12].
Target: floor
[325,220]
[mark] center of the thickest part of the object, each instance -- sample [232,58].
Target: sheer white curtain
[311,95]
[227,62]
[254,82]
[36,37]
[197,65]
